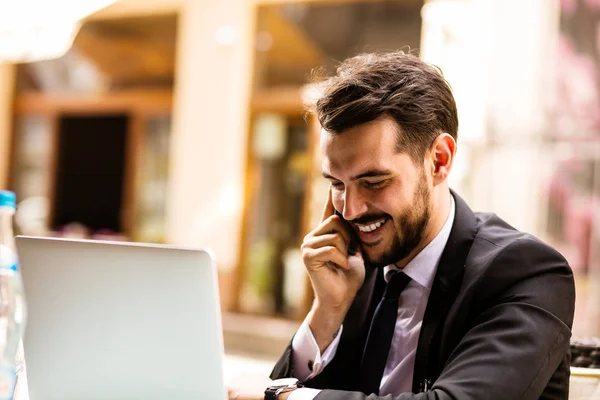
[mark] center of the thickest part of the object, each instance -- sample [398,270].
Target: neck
[440,209]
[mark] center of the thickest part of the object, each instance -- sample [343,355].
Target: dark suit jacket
[496,327]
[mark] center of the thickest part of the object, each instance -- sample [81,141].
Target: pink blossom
[578,87]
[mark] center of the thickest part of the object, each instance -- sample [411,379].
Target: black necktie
[380,333]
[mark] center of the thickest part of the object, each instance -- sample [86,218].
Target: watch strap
[271,393]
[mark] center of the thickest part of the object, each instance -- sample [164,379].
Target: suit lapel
[444,289]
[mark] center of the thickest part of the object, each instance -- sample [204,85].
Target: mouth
[370,233]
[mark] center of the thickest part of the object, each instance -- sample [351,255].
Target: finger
[323,256]
[331,239]
[328,210]
[333,224]
[331,257]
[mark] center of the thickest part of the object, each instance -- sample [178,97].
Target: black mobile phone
[353,243]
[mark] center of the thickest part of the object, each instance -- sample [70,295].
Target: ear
[442,155]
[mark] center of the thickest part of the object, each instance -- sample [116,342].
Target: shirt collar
[423,267]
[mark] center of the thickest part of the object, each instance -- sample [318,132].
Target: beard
[410,228]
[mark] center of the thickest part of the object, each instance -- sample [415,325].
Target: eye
[375,185]
[337,185]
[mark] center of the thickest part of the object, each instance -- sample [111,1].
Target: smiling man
[387,201]
[437,302]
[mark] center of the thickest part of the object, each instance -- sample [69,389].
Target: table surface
[584,384]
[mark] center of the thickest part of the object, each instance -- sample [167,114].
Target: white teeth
[372,227]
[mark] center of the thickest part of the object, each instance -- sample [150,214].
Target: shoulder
[497,242]
[505,264]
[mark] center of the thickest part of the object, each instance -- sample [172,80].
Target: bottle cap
[7,199]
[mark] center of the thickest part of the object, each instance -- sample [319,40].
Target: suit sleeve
[284,366]
[520,334]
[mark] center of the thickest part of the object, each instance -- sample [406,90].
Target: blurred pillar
[211,110]
[7,89]
[499,57]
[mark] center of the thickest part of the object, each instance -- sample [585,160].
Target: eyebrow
[373,173]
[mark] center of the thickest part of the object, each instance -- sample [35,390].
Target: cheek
[390,200]
[395,201]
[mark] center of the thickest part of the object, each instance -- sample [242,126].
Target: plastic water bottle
[12,303]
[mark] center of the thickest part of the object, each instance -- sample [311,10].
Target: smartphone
[353,243]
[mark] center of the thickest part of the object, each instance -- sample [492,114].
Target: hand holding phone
[332,258]
[336,270]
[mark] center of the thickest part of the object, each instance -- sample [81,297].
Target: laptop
[113,320]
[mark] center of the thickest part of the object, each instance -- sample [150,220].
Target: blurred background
[182,121]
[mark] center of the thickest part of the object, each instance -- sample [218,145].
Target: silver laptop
[111,320]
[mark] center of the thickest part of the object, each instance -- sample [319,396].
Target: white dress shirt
[398,373]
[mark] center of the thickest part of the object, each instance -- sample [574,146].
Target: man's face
[381,192]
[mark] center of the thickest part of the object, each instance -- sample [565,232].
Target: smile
[371,227]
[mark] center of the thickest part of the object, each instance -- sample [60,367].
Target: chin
[375,259]
[385,254]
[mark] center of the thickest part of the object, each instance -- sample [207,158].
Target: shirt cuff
[304,394]
[307,358]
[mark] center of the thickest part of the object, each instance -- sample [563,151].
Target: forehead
[367,146]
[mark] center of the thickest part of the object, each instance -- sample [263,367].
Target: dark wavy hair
[396,85]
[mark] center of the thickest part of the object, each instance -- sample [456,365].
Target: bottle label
[9,267]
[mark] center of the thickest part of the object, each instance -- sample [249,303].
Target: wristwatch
[279,386]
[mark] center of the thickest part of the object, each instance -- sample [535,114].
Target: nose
[354,205]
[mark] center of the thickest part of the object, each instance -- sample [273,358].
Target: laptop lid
[112,320]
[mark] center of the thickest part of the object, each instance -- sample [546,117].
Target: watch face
[277,383]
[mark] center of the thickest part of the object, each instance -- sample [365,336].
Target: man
[438,302]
